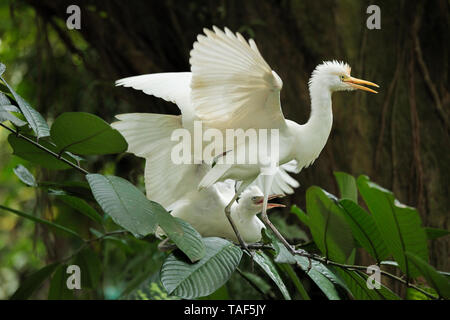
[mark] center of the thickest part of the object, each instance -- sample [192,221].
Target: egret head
[335,76]
[251,201]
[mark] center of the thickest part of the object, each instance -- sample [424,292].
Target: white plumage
[231,83]
[204,210]
[175,186]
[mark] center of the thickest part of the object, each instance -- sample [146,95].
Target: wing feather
[171,86]
[282,183]
[231,83]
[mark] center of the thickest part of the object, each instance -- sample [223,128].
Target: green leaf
[25,176]
[90,268]
[399,225]
[33,282]
[125,203]
[282,255]
[30,152]
[289,231]
[85,133]
[298,284]
[42,221]
[358,287]
[199,279]
[347,186]
[300,214]
[259,282]
[5,114]
[364,230]
[219,294]
[34,118]
[357,284]
[413,294]
[58,285]
[181,233]
[435,233]
[323,277]
[4,100]
[270,269]
[436,280]
[328,225]
[81,206]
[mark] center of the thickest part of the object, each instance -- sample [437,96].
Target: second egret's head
[251,201]
[335,76]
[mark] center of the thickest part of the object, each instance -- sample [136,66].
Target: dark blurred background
[400,137]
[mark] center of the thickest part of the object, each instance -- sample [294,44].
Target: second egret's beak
[357,84]
[260,200]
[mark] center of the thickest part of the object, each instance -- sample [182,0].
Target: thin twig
[57,156]
[358,267]
[257,246]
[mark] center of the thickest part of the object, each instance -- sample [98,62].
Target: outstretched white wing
[232,86]
[172,86]
[282,183]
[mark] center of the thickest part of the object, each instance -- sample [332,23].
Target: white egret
[231,86]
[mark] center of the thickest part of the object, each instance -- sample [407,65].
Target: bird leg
[268,175]
[241,188]
[233,225]
[267,222]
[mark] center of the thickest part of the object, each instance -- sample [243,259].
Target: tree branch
[57,156]
[350,267]
[358,267]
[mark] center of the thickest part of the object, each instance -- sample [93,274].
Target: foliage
[132,226]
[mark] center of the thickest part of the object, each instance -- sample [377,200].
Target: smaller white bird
[204,211]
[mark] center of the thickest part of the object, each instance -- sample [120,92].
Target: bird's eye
[342,77]
[254,198]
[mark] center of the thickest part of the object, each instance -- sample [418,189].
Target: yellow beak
[357,83]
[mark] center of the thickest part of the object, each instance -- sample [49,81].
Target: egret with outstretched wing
[231,86]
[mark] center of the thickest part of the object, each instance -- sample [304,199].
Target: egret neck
[313,135]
